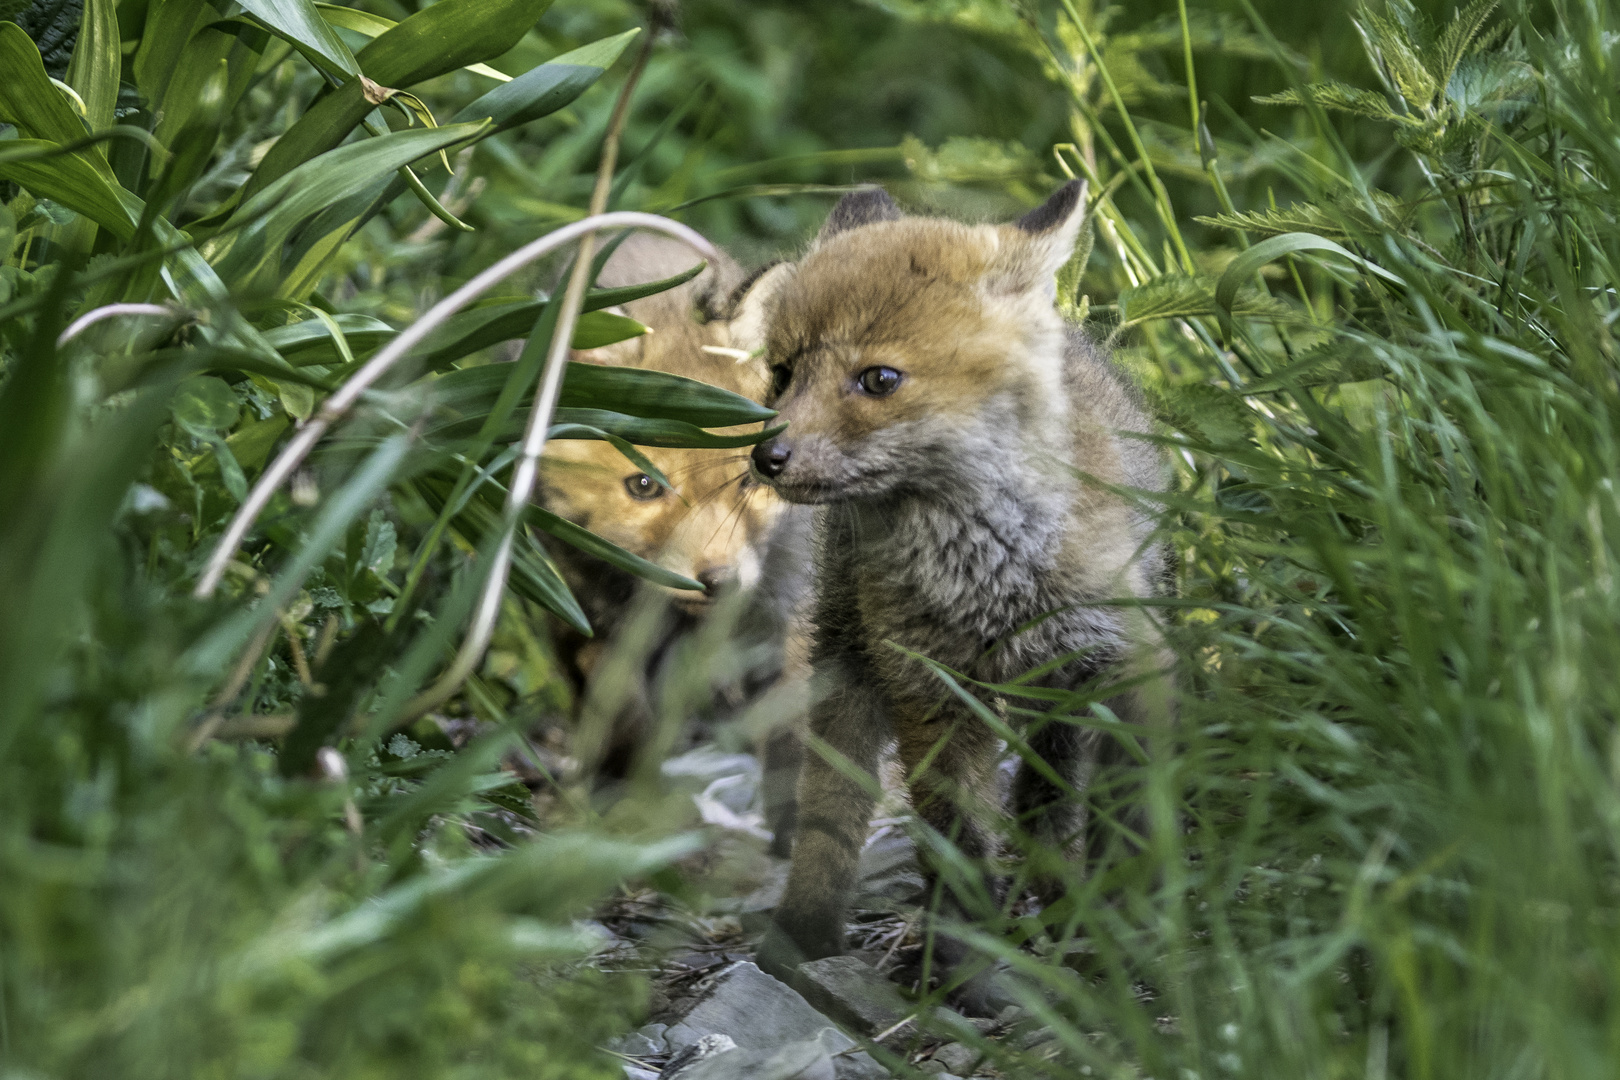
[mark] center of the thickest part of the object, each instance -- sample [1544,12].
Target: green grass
[1395,761]
[1387,812]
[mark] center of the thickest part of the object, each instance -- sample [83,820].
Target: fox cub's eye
[781,375]
[641,486]
[879,381]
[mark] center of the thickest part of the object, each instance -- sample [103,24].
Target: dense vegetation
[1364,261]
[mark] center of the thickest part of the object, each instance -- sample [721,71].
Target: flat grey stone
[761,1013]
[889,870]
[807,1060]
[643,1042]
[957,1058]
[852,993]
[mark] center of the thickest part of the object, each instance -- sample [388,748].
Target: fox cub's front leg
[834,809]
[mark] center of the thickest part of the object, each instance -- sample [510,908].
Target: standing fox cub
[940,412]
[718,526]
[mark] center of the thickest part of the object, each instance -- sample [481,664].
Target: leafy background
[1376,312]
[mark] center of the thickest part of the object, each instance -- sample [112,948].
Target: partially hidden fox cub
[960,440]
[719,526]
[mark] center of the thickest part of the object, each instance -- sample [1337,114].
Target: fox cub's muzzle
[771,457]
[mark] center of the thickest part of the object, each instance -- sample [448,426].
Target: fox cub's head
[713,526]
[905,352]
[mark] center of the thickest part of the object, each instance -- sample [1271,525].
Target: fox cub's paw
[784,949]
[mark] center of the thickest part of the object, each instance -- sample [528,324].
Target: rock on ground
[849,991]
[760,1013]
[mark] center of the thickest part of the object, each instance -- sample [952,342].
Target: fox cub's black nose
[712,577]
[770,458]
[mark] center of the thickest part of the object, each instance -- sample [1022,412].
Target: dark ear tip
[860,208]
[1055,210]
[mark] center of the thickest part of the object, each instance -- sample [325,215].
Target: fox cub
[940,412]
[718,526]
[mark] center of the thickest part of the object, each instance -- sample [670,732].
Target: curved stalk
[110,311]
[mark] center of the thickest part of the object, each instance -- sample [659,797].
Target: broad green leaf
[534,576]
[605,425]
[598,328]
[298,22]
[468,331]
[310,342]
[239,47]
[71,179]
[204,403]
[249,447]
[609,552]
[27,98]
[250,247]
[195,145]
[169,27]
[673,434]
[636,392]
[631,454]
[543,90]
[597,299]
[657,395]
[369,25]
[95,66]
[448,35]
[1246,265]
[491,323]
[462,335]
[438,39]
[319,241]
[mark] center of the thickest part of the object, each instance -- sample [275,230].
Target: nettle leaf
[1340,96]
[1493,86]
[1332,363]
[1339,220]
[1179,296]
[963,160]
[382,540]
[1210,413]
[1396,44]
[1462,36]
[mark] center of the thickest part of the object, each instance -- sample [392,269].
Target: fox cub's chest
[950,581]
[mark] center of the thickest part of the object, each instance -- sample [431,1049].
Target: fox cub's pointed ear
[1048,234]
[751,307]
[856,209]
[750,312]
